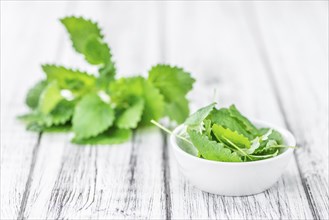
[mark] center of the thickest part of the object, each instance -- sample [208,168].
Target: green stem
[282,146]
[244,153]
[265,156]
[170,132]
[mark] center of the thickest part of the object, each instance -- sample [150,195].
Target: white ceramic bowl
[234,179]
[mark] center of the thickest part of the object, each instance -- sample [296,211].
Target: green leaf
[255,145]
[154,104]
[171,81]
[275,135]
[35,127]
[111,136]
[246,123]
[131,116]
[177,110]
[92,116]
[207,127]
[49,98]
[266,143]
[195,120]
[174,83]
[223,117]
[76,81]
[96,51]
[187,147]
[81,30]
[265,156]
[125,91]
[58,128]
[33,95]
[30,117]
[212,150]
[222,134]
[106,75]
[60,115]
[88,40]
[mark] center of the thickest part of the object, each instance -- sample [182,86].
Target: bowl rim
[285,133]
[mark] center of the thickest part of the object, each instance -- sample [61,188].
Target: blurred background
[270,58]
[230,46]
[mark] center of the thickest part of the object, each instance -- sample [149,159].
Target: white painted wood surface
[269,58]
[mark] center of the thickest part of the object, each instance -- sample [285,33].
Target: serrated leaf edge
[222,147]
[137,121]
[101,36]
[237,133]
[75,70]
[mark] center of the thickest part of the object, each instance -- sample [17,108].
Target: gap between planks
[166,175]
[30,178]
[255,26]
[36,148]
[133,156]
[161,7]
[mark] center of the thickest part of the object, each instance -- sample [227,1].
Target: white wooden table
[269,58]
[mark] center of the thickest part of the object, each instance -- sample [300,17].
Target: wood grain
[123,181]
[269,58]
[301,86]
[20,70]
[214,65]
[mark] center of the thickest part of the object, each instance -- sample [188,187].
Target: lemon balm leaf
[61,114]
[212,150]
[265,156]
[91,117]
[234,112]
[96,51]
[49,98]
[275,135]
[173,83]
[195,120]
[111,136]
[130,117]
[33,95]
[106,74]
[124,91]
[197,117]
[88,40]
[177,110]
[207,128]
[154,103]
[74,80]
[81,30]
[223,117]
[55,128]
[222,134]
[187,147]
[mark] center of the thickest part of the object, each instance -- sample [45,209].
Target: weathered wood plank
[107,182]
[19,70]
[298,59]
[214,42]
[217,43]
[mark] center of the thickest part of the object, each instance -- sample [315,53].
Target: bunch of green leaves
[228,136]
[100,108]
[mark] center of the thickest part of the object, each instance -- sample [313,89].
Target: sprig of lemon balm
[102,108]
